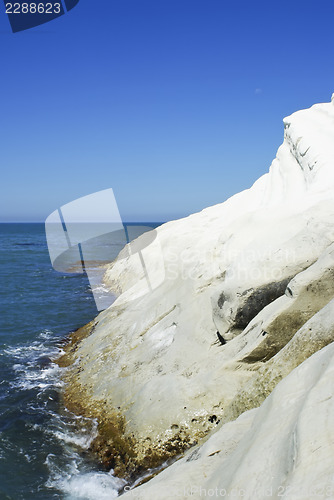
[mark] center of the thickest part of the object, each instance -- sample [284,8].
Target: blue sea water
[43,447]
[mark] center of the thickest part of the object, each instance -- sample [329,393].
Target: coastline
[111,448]
[213,318]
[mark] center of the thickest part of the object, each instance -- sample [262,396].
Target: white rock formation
[285,448]
[154,359]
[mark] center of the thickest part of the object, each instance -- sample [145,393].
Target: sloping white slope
[285,448]
[153,357]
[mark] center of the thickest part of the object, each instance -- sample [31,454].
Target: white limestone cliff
[282,449]
[256,268]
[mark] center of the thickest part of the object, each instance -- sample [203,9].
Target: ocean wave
[65,437]
[69,473]
[79,485]
[34,366]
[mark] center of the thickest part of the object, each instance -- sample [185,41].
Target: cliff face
[231,291]
[282,449]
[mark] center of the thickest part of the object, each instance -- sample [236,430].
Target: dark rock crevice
[255,300]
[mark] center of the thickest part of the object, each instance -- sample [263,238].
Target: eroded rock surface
[253,271]
[282,449]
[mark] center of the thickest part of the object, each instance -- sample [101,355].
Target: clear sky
[175,104]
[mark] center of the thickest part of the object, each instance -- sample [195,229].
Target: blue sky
[175,104]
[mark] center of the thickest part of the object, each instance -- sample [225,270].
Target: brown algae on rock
[74,340]
[113,447]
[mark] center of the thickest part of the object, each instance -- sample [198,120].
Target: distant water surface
[42,445]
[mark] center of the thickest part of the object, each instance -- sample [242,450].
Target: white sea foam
[69,473]
[77,483]
[90,486]
[81,440]
[78,431]
[72,476]
[28,360]
[31,378]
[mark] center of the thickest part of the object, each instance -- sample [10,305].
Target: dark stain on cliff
[255,301]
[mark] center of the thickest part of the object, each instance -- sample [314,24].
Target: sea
[44,448]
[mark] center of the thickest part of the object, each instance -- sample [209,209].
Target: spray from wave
[60,440]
